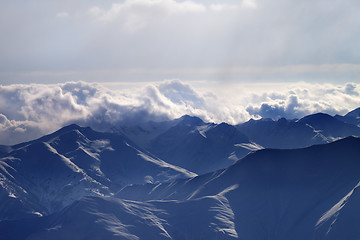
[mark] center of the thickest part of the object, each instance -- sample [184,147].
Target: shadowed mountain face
[288,134]
[44,175]
[330,126]
[284,134]
[199,147]
[352,117]
[280,194]
[190,143]
[308,193]
[203,147]
[115,219]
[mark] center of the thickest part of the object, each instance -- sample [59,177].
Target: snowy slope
[91,185]
[279,194]
[283,133]
[111,218]
[45,175]
[341,221]
[200,147]
[330,126]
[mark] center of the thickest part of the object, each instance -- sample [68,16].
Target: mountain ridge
[55,170]
[77,183]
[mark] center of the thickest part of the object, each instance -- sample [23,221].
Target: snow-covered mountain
[141,182]
[116,219]
[44,175]
[191,143]
[201,147]
[330,126]
[283,133]
[352,117]
[312,129]
[308,193]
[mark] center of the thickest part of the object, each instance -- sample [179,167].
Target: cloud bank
[31,110]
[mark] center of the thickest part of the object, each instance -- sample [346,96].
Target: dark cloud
[180,93]
[278,109]
[351,89]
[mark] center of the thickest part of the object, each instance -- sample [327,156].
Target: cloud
[12,132]
[137,14]
[289,108]
[151,40]
[249,4]
[180,93]
[28,111]
[352,89]
[303,99]
[218,7]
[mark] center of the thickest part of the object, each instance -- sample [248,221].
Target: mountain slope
[306,193]
[284,134]
[110,218]
[330,126]
[200,147]
[143,133]
[277,194]
[352,117]
[342,217]
[44,175]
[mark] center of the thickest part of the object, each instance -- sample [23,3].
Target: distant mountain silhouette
[283,133]
[353,117]
[330,126]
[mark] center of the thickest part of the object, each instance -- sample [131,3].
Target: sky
[105,63]
[151,40]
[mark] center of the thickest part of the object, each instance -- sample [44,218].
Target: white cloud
[305,98]
[30,111]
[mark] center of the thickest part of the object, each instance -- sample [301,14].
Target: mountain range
[186,179]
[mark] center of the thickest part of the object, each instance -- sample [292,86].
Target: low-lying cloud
[32,110]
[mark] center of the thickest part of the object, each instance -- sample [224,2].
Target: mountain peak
[317,116]
[186,119]
[70,127]
[330,126]
[354,113]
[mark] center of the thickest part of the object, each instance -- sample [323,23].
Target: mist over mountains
[29,111]
[186,178]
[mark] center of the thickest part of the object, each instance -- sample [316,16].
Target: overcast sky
[152,40]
